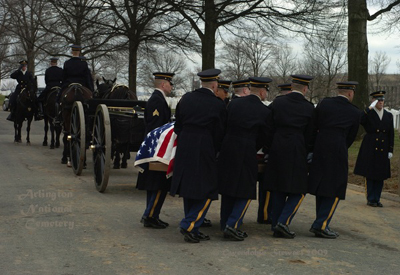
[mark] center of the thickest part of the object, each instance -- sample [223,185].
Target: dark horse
[104,88]
[120,130]
[50,117]
[74,92]
[25,109]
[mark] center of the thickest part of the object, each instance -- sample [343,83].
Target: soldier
[286,169]
[200,120]
[157,113]
[247,130]
[53,78]
[76,70]
[241,88]
[336,121]
[223,90]
[373,161]
[23,77]
[264,197]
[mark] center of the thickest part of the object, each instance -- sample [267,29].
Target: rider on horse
[53,78]
[24,78]
[76,70]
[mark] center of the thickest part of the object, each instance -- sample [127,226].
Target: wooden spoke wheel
[101,147]
[77,137]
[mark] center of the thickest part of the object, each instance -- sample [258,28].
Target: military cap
[224,84]
[347,85]
[241,83]
[209,75]
[54,59]
[301,79]
[76,47]
[260,82]
[285,87]
[23,62]
[165,76]
[379,95]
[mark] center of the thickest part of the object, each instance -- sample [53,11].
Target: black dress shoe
[334,232]
[278,234]
[244,234]
[152,222]
[373,204]
[284,229]
[206,223]
[189,236]
[264,221]
[328,234]
[379,204]
[233,234]
[162,222]
[202,237]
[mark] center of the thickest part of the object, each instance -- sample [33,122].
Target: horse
[120,127]
[104,88]
[50,114]
[74,92]
[25,109]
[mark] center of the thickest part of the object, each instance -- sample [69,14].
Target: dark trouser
[325,208]
[154,203]
[285,206]
[195,211]
[373,189]
[233,211]
[264,206]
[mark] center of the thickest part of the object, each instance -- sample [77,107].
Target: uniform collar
[344,97]
[162,92]
[298,92]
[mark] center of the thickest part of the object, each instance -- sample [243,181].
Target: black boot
[11,116]
[58,119]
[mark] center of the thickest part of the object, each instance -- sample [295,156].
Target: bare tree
[358,16]
[285,63]
[233,59]
[378,66]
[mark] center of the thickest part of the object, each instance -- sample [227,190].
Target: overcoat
[53,77]
[337,122]
[157,113]
[199,125]
[76,70]
[292,122]
[246,132]
[372,161]
[21,79]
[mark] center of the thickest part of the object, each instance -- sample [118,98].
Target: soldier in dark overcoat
[264,197]
[76,70]
[53,78]
[246,132]
[336,126]
[157,113]
[373,161]
[23,77]
[200,120]
[286,170]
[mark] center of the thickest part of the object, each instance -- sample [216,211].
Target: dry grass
[390,184]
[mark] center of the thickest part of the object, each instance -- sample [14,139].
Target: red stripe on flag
[164,144]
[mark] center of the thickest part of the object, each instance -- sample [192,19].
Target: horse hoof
[116,167]
[44,143]
[64,161]
[52,146]
[124,165]
[69,164]
[57,145]
[28,143]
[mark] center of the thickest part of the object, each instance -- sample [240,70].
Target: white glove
[390,155]
[266,158]
[309,157]
[373,104]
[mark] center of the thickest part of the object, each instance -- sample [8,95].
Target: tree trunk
[133,52]
[208,39]
[358,50]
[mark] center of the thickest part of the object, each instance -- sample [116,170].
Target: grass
[2,99]
[391,184]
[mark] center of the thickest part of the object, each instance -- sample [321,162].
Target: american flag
[159,145]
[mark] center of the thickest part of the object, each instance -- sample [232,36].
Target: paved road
[53,222]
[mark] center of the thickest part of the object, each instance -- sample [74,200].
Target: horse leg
[52,136]
[125,156]
[19,127]
[116,155]
[64,159]
[15,131]
[28,129]
[46,129]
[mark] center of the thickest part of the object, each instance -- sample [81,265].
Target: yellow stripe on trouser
[266,205]
[244,211]
[199,215]
[330,213]
[155,203]
[294,211]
